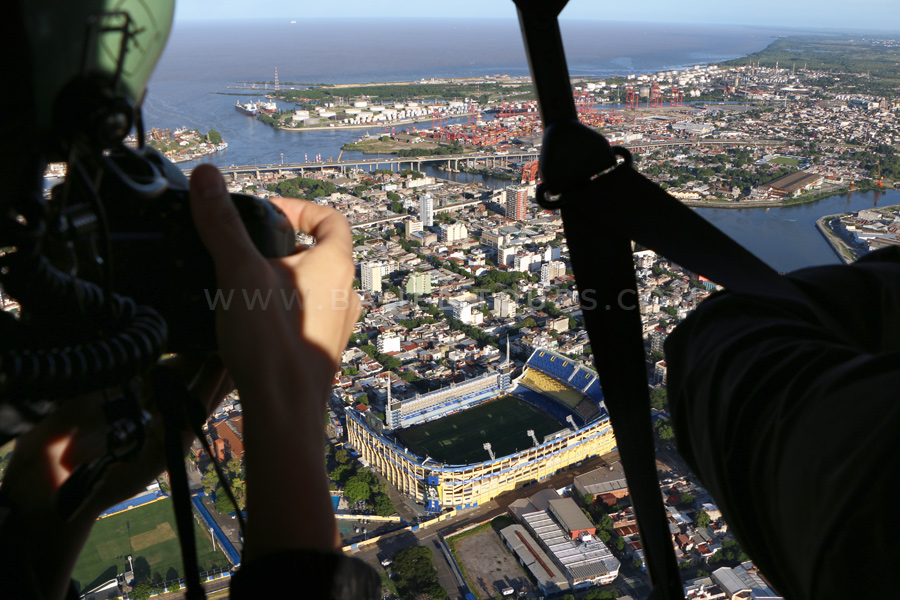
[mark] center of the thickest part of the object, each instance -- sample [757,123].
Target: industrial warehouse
[560,391]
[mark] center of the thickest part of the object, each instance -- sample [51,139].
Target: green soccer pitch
[149,535]
[458,439]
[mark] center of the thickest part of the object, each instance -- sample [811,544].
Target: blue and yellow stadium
[481,438]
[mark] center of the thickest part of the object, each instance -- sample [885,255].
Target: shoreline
[834,242]
[844,251]
[367,126]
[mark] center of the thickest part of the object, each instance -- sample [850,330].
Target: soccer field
[783,160]
[149,535]
[459,439]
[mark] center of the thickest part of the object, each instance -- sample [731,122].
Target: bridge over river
[454,162]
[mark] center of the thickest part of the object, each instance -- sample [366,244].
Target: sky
[843,15]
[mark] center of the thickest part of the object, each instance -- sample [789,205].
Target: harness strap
[169,392]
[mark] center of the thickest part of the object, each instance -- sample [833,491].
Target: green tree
[686,498]
[214,137]
[588,499]
[342,457]
[658,399]
[223,504]
[416,573]
[356,489]
[597,593]
[664,431]
[605,522]
[383,505]
[141,591]
[369,349]
[210,479]
[340,473]
[702,518]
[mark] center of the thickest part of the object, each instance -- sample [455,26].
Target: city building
[493,239]
[388,342]
[370,273]
[606,484]
[453,232]
[516,202]
[504,306]
[506,256]
[423,237]
[660,372]
[426,210]
[551,270]
[418,284]
[412,226]
[566,535]
[793,184]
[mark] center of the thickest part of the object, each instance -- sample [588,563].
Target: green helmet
[113,44]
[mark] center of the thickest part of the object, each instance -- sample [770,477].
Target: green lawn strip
[158,556]
[388,583]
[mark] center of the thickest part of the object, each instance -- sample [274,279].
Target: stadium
[464,445]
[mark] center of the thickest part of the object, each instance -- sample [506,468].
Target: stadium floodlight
[533,437]
[571,420]
[487,446]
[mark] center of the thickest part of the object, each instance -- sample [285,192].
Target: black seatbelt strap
[169,392]
[602,262]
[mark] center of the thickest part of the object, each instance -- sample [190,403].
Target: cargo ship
[268,107]
[248,109]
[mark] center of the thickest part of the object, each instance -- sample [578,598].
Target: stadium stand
[434,405]
[572,385]
[540,401]
[588,410]
[545,384]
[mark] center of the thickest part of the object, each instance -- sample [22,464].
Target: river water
[191,88]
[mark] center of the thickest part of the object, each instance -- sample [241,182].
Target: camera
[154,254]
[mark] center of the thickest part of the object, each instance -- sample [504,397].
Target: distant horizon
[799,29]
[863,16]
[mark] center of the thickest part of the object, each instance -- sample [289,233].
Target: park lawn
[148,533]
[459,438]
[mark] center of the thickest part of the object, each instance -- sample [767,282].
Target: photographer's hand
[74,434]
[282,350]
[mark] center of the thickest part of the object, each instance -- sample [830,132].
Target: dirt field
[489,565]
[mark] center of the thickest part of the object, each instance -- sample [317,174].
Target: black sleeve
[306,574]
[791,425]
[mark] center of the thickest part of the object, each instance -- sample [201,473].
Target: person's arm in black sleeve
[791,425]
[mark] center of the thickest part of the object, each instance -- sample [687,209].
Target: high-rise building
[418,284]
[551,270]
[370,274]
[453,232]
[503,305]
[387,343]
[412,226]
[516,202]
[426,210]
